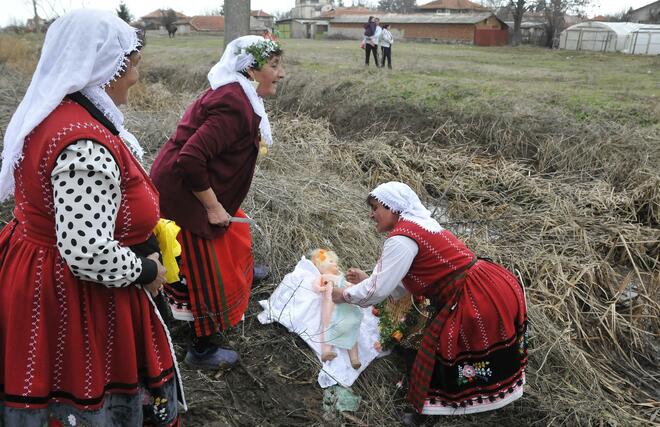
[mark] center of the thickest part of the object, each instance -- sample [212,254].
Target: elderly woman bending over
[473,353]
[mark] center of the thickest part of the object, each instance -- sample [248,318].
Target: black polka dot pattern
[86,182]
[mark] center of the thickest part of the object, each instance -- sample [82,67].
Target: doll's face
[329,266]
[325,261]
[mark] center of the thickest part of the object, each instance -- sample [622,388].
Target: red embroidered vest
[138,212]
[439,257]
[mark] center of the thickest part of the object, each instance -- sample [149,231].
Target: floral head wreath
[261,51]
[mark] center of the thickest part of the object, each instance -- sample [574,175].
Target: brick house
[266,19]
[482,29]
[154,20]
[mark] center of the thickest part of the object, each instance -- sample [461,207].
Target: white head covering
[228,70]
[401,199]
[84,50]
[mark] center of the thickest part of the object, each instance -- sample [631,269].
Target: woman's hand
[217,215]
[355,275]
[215,212]
[155,286]
[338,296]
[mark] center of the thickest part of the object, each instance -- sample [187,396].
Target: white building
[308,9]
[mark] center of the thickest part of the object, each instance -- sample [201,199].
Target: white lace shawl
[234,60]
[84,50]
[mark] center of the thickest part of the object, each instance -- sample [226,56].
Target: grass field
[546,161]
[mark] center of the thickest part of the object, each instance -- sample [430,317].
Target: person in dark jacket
[203,174]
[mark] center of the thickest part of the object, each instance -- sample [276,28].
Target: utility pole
[37,20]
[237,19]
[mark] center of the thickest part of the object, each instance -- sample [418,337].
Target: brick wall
[490,24]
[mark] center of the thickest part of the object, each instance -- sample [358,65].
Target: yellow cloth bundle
[166,231]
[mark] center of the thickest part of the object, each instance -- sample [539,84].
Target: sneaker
[212,358]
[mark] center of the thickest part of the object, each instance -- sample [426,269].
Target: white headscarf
[228,70]
[84,50]
[401,199]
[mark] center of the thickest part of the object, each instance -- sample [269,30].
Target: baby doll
[340,324]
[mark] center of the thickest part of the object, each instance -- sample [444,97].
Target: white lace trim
[227,70]
[401,199]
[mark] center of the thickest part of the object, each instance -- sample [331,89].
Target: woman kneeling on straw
[473,352]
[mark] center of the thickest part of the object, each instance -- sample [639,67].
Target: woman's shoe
[211,358]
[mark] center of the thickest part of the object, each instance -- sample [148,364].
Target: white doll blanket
[296,304]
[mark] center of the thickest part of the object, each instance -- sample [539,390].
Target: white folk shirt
[393,265]
[376,36]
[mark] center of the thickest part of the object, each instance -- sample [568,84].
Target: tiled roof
[208,23]
[340,11]
[419,18]
[159,13]
[260,14]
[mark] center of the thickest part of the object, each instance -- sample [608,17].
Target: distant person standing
[386,41]
[369,29]
[371,34]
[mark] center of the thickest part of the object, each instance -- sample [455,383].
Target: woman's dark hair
[371,198]
[385,25]
[371,18]
[278,52]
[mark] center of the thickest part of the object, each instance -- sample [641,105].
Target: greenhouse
[624,37]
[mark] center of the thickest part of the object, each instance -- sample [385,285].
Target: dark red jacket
[216,145]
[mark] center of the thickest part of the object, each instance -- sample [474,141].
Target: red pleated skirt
[218,276]
[481,349]
[64,340]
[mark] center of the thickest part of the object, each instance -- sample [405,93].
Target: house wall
[490,24]
[152,23]
[298,30]
[283,30]
[268,22]
[649,14]
[491,37]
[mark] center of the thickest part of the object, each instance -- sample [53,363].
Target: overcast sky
[17,11]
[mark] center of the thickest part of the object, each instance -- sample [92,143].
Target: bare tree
[554,12]
[397,6]
[37,20]
[518,9]
[622,16]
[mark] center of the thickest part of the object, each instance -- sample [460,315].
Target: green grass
[586,86]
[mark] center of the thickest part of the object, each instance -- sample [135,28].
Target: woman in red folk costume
[473,352]
[203,173]
[81,342]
